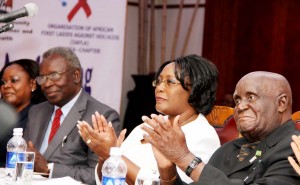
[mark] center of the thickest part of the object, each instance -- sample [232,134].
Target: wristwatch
[192,165]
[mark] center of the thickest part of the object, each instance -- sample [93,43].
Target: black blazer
[271,167]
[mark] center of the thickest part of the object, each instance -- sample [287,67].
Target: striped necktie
[55,124]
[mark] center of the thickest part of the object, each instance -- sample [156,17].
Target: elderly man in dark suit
[263,107]
[51,130]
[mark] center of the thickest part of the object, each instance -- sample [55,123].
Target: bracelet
[168,181]
[192,165]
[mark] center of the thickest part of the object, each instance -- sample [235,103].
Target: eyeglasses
[167,83]
[52,76]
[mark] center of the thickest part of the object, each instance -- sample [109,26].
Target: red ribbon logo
[81,4]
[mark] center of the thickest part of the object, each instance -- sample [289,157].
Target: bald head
[263,103]
[273,83]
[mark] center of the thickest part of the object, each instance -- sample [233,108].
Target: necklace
[188,120]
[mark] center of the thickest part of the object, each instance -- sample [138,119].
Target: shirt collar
[67,107]
[274,137]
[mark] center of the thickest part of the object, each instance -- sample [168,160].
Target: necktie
[55,124]
[246,149]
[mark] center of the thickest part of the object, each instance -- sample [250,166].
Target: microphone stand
[7,27]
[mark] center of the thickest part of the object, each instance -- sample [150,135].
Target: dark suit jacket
[269,168]
[73,158]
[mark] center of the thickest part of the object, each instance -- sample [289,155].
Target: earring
[32,90]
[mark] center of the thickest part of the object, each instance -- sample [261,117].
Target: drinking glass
[148,177]
[148,181]
[24,167]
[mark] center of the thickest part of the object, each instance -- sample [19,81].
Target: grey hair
[67,54]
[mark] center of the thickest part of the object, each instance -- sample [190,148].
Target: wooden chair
[296,119]
[218,115]
[222,120]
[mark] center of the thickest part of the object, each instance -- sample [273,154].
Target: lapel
[41,128]
[68,124]
[249,160]
[266,144]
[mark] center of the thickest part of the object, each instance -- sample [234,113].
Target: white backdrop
[94,29]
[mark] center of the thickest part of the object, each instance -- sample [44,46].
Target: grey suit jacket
[73,158]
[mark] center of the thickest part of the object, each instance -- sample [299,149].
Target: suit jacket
[72,158]
[267,164]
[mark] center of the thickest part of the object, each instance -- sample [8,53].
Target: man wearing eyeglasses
[51,131]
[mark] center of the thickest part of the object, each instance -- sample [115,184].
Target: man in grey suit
[54,138]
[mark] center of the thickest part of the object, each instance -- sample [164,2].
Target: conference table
[40,180]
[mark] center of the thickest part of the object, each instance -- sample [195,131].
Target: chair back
[296,119]
[222,120]
[228,131]
[218,115]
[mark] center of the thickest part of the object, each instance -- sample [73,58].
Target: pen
[64,141]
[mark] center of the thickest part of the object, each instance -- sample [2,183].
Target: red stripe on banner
[81,4]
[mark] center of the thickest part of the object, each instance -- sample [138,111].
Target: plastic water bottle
[114,168]
[14,145]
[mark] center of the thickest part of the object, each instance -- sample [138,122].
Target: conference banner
[93,29]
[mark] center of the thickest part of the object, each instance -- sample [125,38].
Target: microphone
[7,27]
[29,9]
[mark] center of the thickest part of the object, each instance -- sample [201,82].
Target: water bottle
[114,168]
[14,145]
